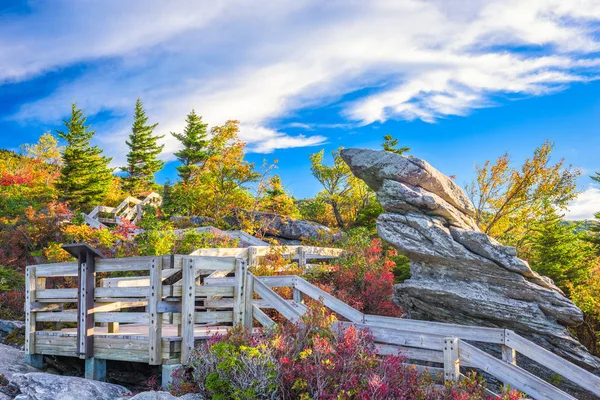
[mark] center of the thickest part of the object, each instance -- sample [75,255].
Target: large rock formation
[459,274]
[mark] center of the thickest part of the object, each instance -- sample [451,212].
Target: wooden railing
[130,209]
[186,298]
[443,343]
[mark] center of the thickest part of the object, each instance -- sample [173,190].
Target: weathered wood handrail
[446,343]
[206,296]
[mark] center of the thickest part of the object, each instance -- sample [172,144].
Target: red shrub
[362,277]
[12,304]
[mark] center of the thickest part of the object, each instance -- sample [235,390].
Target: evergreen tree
[558,251]
[194,141]
[142,161]
[391,144]
[85,177]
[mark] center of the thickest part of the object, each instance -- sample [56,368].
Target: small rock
[42,386]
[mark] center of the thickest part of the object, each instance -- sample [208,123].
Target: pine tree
[194,142]
[85,177]
[558,251]
[390,144]
[142,161]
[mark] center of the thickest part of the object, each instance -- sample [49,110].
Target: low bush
[317,359]
[363,277]
[12,304]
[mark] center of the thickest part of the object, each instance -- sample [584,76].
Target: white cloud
[585,206]
[233,59]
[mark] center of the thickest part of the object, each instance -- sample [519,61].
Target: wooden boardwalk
[189,298]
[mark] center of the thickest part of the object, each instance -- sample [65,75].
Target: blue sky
[459,82]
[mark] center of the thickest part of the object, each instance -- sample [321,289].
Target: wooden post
[239,303]
[248,298]
[252,256]
[302,258]
[86,257]
[297,296]
[35,360]
[188,309]
[451,360]
[509,355]
[155,326]
[95,369]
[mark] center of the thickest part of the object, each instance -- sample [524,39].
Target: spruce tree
[142,159]
[558,251]
[85,177]
[194,141]
[594,230]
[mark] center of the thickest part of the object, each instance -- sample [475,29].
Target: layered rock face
[459,274]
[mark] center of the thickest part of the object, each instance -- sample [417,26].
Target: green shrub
[11,279]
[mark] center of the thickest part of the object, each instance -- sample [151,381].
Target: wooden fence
[188,298]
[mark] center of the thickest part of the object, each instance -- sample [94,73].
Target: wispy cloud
[231,59]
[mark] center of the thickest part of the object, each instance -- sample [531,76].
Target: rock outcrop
[42,386]
[459,274]
[286,228]
[12,361]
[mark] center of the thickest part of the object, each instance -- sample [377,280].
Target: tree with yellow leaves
[508,199]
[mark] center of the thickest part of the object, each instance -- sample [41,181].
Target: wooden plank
[117,305]
[57,269]
[262,318]
[278,281]
[213,317]
[70,294]
[223,281]
[137,280]
[301,258]
[141,291]
[412,353]
[475,333]
[85,306]
[297,296]
[203,291]
[30,317]
[66,316]
[451,360]
[220,263]
[188,303]
[123,317]
[556,363]
[328,300]
[239,294]
[280,304]
[168,307]
[140,356]
[401,338]
[248,296]
[232,252]
[45,307]
[66,341]
[155,325]
[252,257]
[214,291]
[517,377]
[120,344]
[124,264]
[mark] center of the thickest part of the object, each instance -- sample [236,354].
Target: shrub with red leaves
[317,359]
[362,277]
